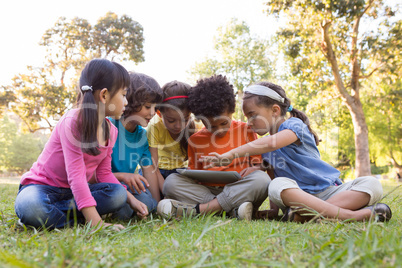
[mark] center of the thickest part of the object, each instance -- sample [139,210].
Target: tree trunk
[397,166]
[361,139]
[352,102]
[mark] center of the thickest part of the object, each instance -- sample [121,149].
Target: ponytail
[97,75]
[88,124]
[303,117]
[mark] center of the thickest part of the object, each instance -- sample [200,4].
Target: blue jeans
[49,206]
[126,212]
[164,173]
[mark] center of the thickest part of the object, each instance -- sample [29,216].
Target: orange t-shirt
[203,142]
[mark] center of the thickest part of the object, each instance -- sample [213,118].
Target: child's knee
[372,186]
[261,180]
[169,185]
[32,211]
[118,196]
[278,187]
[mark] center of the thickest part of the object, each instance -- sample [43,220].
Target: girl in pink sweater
[55,191]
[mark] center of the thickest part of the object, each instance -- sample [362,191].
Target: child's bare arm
[151,173]
[137,206]
[159,177]
[257,147]
[91,215]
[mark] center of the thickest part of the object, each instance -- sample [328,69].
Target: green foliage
[17,150]
[240,56]
[38,99]
[40,96]
[118,38]
[326,70]
[383,97]
[209,241]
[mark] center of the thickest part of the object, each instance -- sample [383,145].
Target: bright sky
[177,33]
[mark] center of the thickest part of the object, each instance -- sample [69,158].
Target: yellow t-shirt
[170,155]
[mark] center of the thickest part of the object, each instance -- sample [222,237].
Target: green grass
[205,241]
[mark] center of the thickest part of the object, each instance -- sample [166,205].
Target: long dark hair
[268,102]
[97,75]
[172,89]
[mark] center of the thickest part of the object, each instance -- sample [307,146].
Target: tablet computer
[211,176]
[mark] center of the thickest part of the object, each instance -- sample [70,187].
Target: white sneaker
[169,208]
[19,222]
[244,211]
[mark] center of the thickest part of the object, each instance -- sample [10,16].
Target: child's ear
[103,95]
[276,110]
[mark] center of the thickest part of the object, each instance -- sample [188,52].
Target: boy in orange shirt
[213,101]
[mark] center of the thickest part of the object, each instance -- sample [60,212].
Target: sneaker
[19,222]
[169,208]
[382,212]
[288,215]
[243,212]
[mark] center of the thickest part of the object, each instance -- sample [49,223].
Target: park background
[287,42]
[354,110]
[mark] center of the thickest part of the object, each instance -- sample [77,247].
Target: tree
[17,150]
[383,98]
[43,94]
[8,129]
[327,50]
[243,58]
[118,38]
[37,99]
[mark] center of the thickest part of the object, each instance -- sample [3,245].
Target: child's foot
[19,222]
[382,212]
[300,215]
[243,212]
[288,215]
[169,208]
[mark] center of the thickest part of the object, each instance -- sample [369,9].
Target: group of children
[124,120]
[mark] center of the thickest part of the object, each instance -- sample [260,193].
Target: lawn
[205,241]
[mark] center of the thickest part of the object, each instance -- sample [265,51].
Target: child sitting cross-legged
[169,130]
[131,148]
[212,100]
[305,187]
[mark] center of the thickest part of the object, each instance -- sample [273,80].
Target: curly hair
[142,89]
[212,97]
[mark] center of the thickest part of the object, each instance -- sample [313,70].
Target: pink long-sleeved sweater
[63,164]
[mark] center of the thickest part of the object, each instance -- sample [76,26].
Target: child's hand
[102,224]
[116,227]
[217,160]
[140,208]
[134,181]
[248,170]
